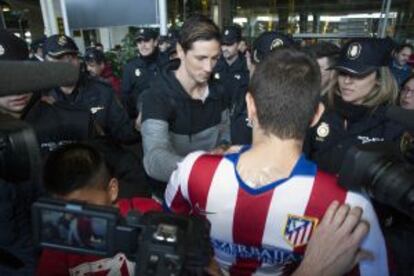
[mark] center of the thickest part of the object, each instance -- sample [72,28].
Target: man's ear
[251,107]
[113,189]
[156,41]
[318,114]
[180,51]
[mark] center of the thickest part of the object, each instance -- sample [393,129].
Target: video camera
[159,243]
[384,171]
[19,151]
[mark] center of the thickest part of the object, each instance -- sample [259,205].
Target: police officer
[97,66]
[90,93]
[141,70]
[356,105]
[232,72]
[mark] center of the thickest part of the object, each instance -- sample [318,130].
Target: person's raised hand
[334,248]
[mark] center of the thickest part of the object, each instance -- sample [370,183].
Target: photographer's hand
[334,248]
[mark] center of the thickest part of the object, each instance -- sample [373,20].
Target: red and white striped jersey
[264,231]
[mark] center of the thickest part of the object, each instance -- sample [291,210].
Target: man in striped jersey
[265,201]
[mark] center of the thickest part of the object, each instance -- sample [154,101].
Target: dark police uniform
[93,95]
[235,79]
[346,124]
[99,98]
[139,72]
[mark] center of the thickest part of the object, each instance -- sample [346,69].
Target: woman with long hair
[355,105]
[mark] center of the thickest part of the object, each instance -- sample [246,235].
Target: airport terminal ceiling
[325,18]
[320,6]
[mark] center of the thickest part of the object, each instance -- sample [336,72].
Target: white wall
[118,33]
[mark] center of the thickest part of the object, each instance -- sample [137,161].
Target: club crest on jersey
[217,76]
[137,72]
[298,230]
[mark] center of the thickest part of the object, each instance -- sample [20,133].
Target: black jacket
[137,75]
[99,98]
[345,126]
[235,79]
[174,124]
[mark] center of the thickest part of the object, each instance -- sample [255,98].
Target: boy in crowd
[79,172]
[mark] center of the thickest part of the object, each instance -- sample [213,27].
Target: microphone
[403,116]
[19,77]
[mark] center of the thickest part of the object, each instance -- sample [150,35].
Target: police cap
[362,56]
[94,55]
[173,36]
[267,42]
[56,46]
[231,35]
[146,34]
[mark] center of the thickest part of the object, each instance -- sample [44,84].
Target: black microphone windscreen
[19,77]
[403,116]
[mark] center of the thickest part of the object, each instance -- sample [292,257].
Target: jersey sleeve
[176,198]
[374,242]
[53,262]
